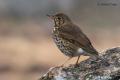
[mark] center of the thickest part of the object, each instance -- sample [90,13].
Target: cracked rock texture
[89,69]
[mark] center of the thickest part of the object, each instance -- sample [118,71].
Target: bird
[70,39]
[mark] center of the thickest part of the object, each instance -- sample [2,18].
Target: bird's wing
[74,34]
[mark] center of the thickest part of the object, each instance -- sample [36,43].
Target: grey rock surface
[90,69]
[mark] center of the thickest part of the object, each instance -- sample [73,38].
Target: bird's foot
[76,65]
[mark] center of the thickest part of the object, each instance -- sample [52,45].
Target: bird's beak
[50,16]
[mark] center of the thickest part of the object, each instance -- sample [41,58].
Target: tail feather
[91,50]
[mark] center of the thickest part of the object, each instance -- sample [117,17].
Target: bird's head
[60,19]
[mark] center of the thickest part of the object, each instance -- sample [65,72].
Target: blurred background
[26,47]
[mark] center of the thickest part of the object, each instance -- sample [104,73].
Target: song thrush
[70,39]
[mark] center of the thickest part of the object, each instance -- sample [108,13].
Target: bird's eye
[59,18]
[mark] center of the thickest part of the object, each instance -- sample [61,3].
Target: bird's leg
[77,61]
[66,61]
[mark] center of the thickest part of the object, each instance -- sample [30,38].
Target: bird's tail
[93,52]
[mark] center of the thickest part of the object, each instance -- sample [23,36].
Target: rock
[90,69]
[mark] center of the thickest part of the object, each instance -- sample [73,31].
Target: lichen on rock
[89,69]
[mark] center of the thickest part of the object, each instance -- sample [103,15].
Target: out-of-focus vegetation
[26,46]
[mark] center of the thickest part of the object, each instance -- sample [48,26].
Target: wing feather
[73,33]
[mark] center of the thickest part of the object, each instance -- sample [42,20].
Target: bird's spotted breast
[63,45]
